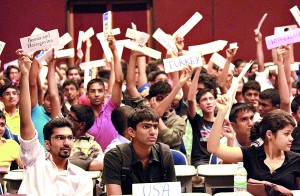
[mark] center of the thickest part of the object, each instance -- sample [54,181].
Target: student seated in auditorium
[85,149]
[9,149]
[71,92]
[145,161]
[273,161]
[47,173]
[201,125]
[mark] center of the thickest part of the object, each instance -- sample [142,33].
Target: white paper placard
[88,34]
[282,29]
[159,189]
[37,31]
[147,51]
[104,43]
[2,44]
[140,37]
[80,38]
[133,26]
[66,53]
[64,40]
[208,48]
[43,74]
[120,46]
[296,13]
[43,55]
[289,37]
[107,23]
[178,63]
[40,41]
[261,21]
[295,66]
[165,40]
[217,59]
[233,45]
[14,62]
[92,64]
[184,29]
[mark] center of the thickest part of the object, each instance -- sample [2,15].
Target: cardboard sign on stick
[40,41]
[2,44]
[208,48]
[178,63]
[289,37]
[165,40]
[147,51]
[296,13]
[184,29]
[161,188]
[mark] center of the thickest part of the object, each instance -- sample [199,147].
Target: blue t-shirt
[39,119]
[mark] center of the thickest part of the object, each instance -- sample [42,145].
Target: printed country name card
[91,64]
[107,23]
[184,29]
[178,63]
[165,40]
[208,48]
[40,41]
[2,44]
[147,51]
[140,37]
[159,189]
[288,37]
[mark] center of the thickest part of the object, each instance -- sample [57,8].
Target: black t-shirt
[201,130]
[112,171]
[296,141]
[285,175]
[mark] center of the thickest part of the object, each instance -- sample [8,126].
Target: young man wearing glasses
[48,173]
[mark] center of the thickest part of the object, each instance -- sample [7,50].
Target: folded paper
[184,29]
[208,48]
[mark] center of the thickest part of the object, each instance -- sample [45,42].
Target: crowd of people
[130,115]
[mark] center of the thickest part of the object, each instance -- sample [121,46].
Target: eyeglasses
[71,118]
[63,137]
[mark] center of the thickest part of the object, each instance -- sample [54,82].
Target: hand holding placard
[165,40]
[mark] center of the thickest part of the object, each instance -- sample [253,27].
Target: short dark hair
[209,82]
[71,68]
[7,86]
[141,114]
[57,122]
[2,115]
[93,81]
[272,94]
[6,80]
[159,88]
[60,94]
[251,85]
[119,118]
[104,73]
[239,107]
[295,104]
[238,62]
[155,74]
[202,92]
[7,71]
[85,114]
[71,82]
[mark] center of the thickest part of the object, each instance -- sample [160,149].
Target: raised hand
[230,53]
[227,130]
[79,53]
[281,52]
[179,43]
[222,103]
[111,42]
[50,59]
[186,74]
[258,35]
[88,43]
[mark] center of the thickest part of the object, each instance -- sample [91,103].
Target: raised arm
[117,87]
[80,57]
[27,130]
[192,94]
[259,51]
[52,88]
[164,104]
[226,153]
[130,76]
[282,83]
[34,82]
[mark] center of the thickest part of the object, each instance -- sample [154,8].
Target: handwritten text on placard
[157,189]
[40,41]
[288,37]
[178,63]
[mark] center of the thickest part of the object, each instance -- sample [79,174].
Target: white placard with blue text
[178,63]
[157,189]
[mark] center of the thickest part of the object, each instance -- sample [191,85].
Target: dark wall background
[231,20]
